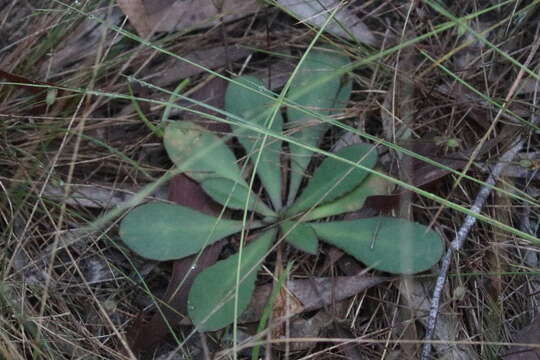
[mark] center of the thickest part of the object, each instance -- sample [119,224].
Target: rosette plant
[338,185]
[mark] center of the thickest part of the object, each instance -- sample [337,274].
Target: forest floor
[84,92]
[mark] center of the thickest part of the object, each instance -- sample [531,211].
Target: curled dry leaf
[311,294]
[286,303]
[448,326]
[527,335]
[103,196]
[173,70]
[149,16]
[300,328]
[345,24]
[212,94]
[28,85]
[81,42]
[138,15]
[305,295]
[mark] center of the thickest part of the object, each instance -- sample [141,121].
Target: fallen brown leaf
[312,294]
[149,16]
[211,94]
[300,296]
[25,83]
[316,13]
[350,349]
[422,174]
[81,42]
[99,196]
[286,303]
[173,70]
[300,328]
[527,335]
[30,86]
[137,14]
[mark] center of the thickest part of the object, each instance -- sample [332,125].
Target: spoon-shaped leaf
[343,96]
[257,108]
[334,178]
[353,201]
[321,98]
[211,298]
[301,236]
[234,195]
[164,232]
[184,140]
[388,244]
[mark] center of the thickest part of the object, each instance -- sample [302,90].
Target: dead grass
[67,293]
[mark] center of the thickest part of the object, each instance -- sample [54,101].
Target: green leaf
[257,108]
[301,236]
[334,178]
[388,244]
[163,232]
[353,201]
[211,298]
[343,96]
[234,195]
[319,98]
[184,140]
